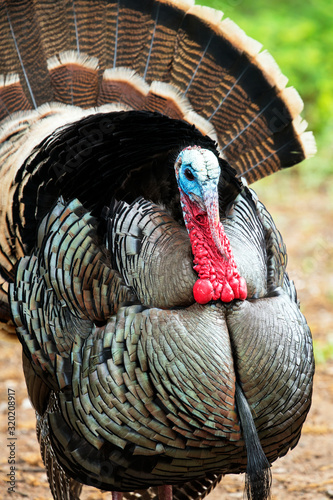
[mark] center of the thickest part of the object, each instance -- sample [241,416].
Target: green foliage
[323,351]
[298,34]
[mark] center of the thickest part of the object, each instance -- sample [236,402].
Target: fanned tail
[156,55]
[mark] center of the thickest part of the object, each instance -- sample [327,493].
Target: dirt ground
[306,473]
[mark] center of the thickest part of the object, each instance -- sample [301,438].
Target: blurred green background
[299,35]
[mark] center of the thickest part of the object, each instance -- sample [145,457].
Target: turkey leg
[165,492]
[117,495]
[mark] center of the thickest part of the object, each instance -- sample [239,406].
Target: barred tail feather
[220,71]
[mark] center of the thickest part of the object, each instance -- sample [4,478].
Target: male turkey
[163,345]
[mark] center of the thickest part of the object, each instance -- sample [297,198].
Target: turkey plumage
[163,344]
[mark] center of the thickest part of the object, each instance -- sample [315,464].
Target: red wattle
[217,271]
[227,294]
[203,291]
[242,288]
[234,283]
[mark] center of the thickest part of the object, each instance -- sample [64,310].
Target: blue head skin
[197,173]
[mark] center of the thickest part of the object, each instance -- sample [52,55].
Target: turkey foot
[164,492]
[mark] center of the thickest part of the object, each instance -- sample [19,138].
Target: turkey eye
[188,174]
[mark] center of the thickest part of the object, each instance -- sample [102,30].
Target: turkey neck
[213,257]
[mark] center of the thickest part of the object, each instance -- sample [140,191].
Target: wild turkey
[129,131]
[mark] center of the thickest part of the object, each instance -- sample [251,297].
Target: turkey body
[134,383]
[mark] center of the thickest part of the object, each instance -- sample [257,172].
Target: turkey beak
[211,202]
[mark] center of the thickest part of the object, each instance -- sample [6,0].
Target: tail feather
[90,23]
[166,99]
[146,34]
[164,39]
[255,166]
[56,26]
[25,50]
[135,23]
[123,85]
[194,65]
[12,96]
[74,78]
